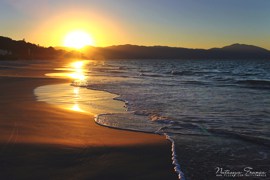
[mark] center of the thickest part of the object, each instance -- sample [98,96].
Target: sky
[179,23]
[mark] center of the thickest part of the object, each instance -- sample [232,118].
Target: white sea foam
[112,124]
[174,158]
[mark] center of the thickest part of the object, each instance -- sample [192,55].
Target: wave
[177,168]
[154,117]
[247,74]
[194,82]
[115,71]
[144,71]
[124,68]
[190,72]
[142,113]
[223,79]
[255,82]
[182,73]
[152,75]
[253,139]
[259,84]
[80,83]
[7,67]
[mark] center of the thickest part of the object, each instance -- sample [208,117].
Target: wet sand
[40,141]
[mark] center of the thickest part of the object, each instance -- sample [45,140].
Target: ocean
[216,113]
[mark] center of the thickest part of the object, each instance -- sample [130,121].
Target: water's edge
[116,97]
[175,162]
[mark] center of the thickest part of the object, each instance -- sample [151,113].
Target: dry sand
[40,141]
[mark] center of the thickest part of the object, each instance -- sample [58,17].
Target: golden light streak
[78,64]
[76,91]
[76,107]
[75,71]
[78,70]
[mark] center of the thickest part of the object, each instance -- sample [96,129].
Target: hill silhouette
[11,49]
[240,51]
[235,51]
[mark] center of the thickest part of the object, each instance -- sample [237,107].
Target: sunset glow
[177,23]
[78,40]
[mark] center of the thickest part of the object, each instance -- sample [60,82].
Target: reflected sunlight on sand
[76,98]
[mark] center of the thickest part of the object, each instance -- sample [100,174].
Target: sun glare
[78,70]
[78,39]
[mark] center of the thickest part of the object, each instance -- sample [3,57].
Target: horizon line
[162,46]
[128,44]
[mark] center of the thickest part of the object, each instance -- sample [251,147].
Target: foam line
[174,155]
[174,158]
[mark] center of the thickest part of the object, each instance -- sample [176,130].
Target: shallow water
[79,99]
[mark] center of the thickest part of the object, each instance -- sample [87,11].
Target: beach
[134,90]
[41,141]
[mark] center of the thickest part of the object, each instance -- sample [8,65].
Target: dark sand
[40,141]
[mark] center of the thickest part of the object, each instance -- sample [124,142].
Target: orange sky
[181,23]
[102,29]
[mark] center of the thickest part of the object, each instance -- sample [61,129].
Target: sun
[78,39]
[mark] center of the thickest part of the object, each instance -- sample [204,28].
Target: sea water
[216,112]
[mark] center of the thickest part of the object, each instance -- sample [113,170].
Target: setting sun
[78,39]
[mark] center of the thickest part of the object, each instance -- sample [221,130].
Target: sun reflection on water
[76,71]
[78,64]
[76,91]
[75,97]
[79,71]
[79,99]
[76,107]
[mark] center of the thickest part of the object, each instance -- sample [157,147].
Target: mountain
[235,51]
[11,49]
[240,51]
[244,47]
[141,52]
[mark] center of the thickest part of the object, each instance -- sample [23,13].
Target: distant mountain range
[235,51]
[11,49]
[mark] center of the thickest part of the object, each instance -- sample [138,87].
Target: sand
[41,141]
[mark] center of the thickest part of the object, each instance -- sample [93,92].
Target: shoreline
[22,133]
[175,162]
